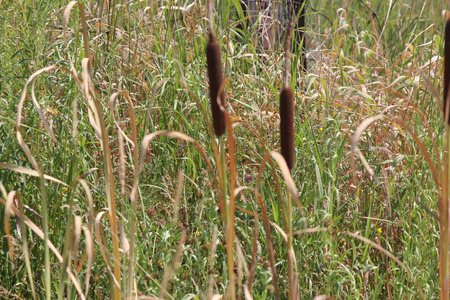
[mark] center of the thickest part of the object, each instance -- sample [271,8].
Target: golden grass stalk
[444,204]
[133,195]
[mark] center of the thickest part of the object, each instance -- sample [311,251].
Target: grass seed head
[215,75]
[287,126]
[446,71]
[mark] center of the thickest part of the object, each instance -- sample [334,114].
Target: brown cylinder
[215,75]
[287,126]
[446,71]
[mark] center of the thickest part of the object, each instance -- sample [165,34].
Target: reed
[446,71]
[221,121]
[215,75]
[287,107]
[287,126]
[288,153]
[444,201]
[124,227]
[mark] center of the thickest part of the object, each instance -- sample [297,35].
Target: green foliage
[362,61]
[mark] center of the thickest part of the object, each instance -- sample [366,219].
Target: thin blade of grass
[26,171]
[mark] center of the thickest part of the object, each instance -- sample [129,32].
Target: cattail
[287,105]
[446,71]
[215,74]
[287,126]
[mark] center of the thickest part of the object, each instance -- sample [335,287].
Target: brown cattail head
[446,108]
[215,74]
[287,126]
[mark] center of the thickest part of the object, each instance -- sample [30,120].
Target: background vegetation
[379,60]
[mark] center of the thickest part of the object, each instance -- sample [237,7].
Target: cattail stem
[444,226]
[300,9]
[287,51]
[291,254]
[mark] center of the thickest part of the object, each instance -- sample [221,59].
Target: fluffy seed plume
[215,75]
[446,108]
[287,126]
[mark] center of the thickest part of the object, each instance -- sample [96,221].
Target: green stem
[291,256]
[228,218]
[444,216]
[47,278]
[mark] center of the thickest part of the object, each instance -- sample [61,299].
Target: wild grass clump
[140,152]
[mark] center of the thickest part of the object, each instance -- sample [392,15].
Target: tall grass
[118,183]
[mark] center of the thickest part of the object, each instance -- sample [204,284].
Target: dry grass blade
[241,256]
[26,221]
[23,145]
[76,284]
[39,110]
[286,173]
[132,116]
[8,212]
[26,171]
[359,131]
[133,196]
[98,124]
[175,134]
[76,235]
[122,164]
[90,258]
[230,203]
[89,202]
[100,236]
[65,21]
[24,237]
[123,239]
[19,116]
[35,229]
[253,261]
[423,116]
[281,231]
[247,293]
[177,197]
[240,264]
[265,218]
[94,110]
[151,101]
[423,149]
[212,257]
